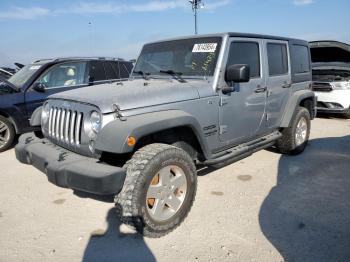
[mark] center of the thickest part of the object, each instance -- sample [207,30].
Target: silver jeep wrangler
[197,100]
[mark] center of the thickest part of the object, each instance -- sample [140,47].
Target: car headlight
[344,85]
[45,113]
[95,121]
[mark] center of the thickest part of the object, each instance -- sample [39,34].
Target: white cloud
[216,4]
[24,13]
[303,2]
[111,7]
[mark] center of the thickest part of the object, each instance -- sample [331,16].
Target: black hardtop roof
[66,59]
[249,35]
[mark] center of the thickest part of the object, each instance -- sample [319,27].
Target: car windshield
[186,57]
[23,75]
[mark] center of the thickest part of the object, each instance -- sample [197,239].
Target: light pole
[196,4]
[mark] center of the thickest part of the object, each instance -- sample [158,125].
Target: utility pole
[196,4]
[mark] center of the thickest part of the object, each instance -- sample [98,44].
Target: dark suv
[25,91]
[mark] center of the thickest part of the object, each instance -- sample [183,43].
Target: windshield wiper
[145,75]
[176,75]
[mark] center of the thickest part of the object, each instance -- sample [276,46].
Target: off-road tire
[287,143]
[140,169]
[12,134]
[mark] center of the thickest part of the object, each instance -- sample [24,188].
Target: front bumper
[333,110]
[67,169]
[335,102]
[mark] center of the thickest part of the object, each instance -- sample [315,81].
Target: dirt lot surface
[266,207]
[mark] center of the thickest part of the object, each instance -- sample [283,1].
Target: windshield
[186,57]
[23,75]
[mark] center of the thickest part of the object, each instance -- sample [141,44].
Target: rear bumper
[67,169]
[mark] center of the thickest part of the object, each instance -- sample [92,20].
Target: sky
[36,29]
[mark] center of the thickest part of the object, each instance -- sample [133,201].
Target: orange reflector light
[131,141]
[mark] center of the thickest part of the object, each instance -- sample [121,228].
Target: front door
[242,111]
[278,81]
[59,78]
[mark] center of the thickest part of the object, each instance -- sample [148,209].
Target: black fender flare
[113,137]
[293,102]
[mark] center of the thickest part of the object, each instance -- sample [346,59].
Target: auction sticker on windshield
[204,48]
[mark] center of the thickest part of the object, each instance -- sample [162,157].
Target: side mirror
[237,73]
[39,87]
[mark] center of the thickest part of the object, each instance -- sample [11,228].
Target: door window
[97,72]
[64,75]
[111,72]
[124,71]
[278,59]
[245,53]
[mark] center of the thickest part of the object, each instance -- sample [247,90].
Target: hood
[4,82]
[134,94]
[330,52]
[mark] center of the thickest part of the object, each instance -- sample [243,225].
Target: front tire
[295,138]
[158,191]
[7,134]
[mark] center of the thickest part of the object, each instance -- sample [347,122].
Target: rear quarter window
[301,59]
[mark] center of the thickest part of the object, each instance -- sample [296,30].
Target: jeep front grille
[65,125]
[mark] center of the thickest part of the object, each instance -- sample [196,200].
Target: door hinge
[223,101]
[222,129]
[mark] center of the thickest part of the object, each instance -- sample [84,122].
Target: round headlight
[95,120]
[45,113]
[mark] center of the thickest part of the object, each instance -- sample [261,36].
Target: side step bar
[241,151]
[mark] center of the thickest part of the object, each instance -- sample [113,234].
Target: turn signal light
[131,141]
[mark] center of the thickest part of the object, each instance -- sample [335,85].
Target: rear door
[97,73]
[278,80]
[242,111]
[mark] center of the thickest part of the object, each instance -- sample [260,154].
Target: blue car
[26,90]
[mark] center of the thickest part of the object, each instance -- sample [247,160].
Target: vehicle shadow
[113,245]
[306,216]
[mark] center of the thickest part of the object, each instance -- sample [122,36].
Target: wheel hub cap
[4,134]
[301,131]
[166,193]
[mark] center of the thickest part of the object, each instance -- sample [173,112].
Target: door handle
[286,85]
[260,89]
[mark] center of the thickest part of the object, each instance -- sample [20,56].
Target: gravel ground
[266,207]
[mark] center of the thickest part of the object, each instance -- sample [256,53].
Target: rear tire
[7,134]
[158,191]
[295,137]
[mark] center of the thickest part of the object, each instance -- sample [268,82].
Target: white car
[331,76]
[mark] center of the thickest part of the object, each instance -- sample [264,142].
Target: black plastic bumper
[333,110]
[67,169]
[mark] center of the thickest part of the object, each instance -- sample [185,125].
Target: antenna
[196,4]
